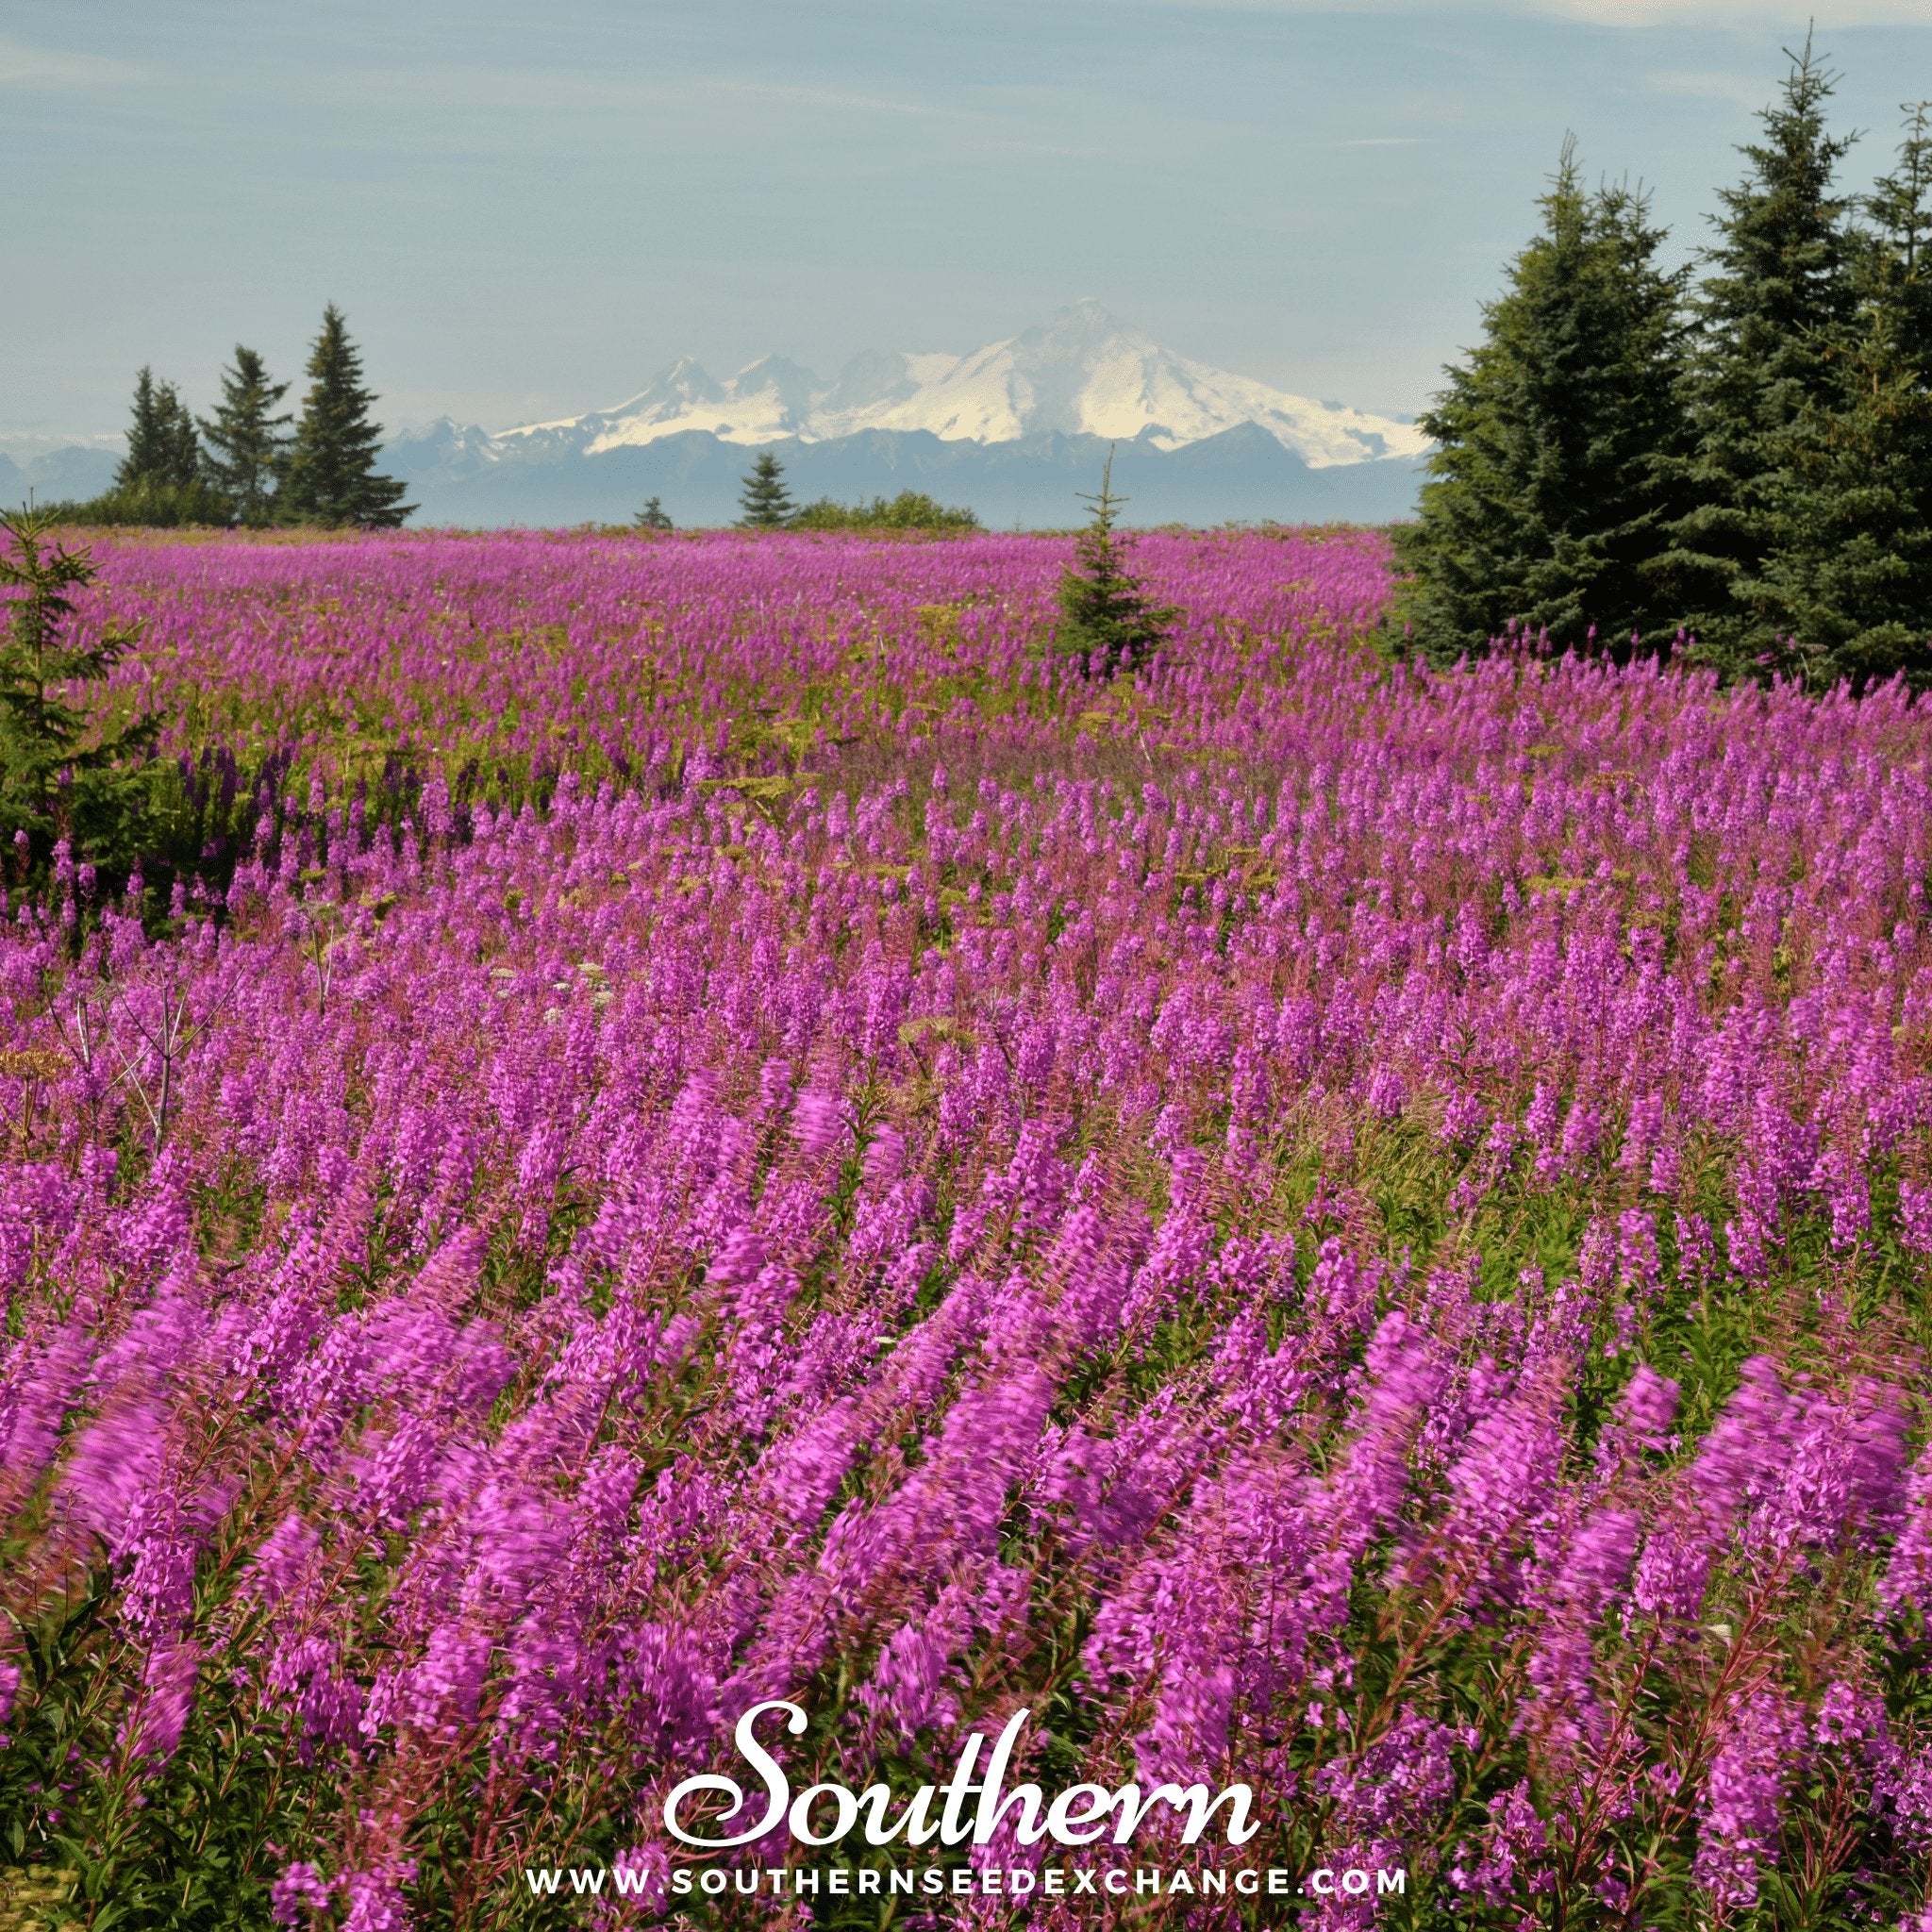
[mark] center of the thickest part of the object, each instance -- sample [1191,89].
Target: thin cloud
[562,88]
[1709,87]
[838,100]
[1789,16]
[47,67]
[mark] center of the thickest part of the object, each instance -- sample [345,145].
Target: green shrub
[151,502]
[912,510]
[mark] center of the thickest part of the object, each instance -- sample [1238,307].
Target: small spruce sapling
[64,773]
[1107,623]
[764,503]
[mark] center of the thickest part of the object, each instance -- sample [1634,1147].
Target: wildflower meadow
[718,1128]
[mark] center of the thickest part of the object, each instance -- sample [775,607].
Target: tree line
[765,503]
[1737,466]
[251,463]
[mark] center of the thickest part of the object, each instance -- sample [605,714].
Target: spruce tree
[63,773]
[163,452]
[331,475]
[1845,591]
[1776,312]
[246,446]
[653,516]
[1107,622]
[160,480]
[1551,486]
[143,433]
[764,503]
[1899,256]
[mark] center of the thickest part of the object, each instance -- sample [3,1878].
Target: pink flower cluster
[1360,1231]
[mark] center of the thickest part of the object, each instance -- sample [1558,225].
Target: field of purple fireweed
[738,1133]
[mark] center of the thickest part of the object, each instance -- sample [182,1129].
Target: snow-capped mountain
[1014,431]
[1082,373]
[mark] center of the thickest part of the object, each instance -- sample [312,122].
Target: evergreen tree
[62,773]
[331,475]
[1845,591]
[1775,313]
[653,516]
[160,480]
[144,457]
[764,503]
[1551,482]
[245,441]
[1899,263]
[1107,622]
[162,449]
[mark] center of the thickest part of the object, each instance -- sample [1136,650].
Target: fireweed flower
[1510,1857]
[1639,1425]
[1915,1216]
[1270,1177]
[1576,1592]
[1390,1794]
[299,1894]
[154,1725]
[1762,1746]
[377,1898]
[1674,1571]
[818,1124]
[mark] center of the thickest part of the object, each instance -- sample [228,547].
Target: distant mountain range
[1082,373]
[56,476]
[1014,431]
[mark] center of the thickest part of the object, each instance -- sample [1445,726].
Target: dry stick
[171,1045]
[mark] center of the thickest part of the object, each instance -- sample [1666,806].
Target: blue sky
[525,211]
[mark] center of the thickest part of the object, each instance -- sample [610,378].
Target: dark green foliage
[1897,268]
[1552,479]
[1775,315]
[1107,622]
[653,516]
[245,443]
[105,1841]
[154,505]
[63,773]
[162,447]
[1847,587]
[911,511]
[161,479]
[331,475]
[764,503]
[1758,472]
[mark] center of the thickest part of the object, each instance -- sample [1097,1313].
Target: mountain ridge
[1081,373]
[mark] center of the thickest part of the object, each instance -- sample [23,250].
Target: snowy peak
[444,440]
[1081,373]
